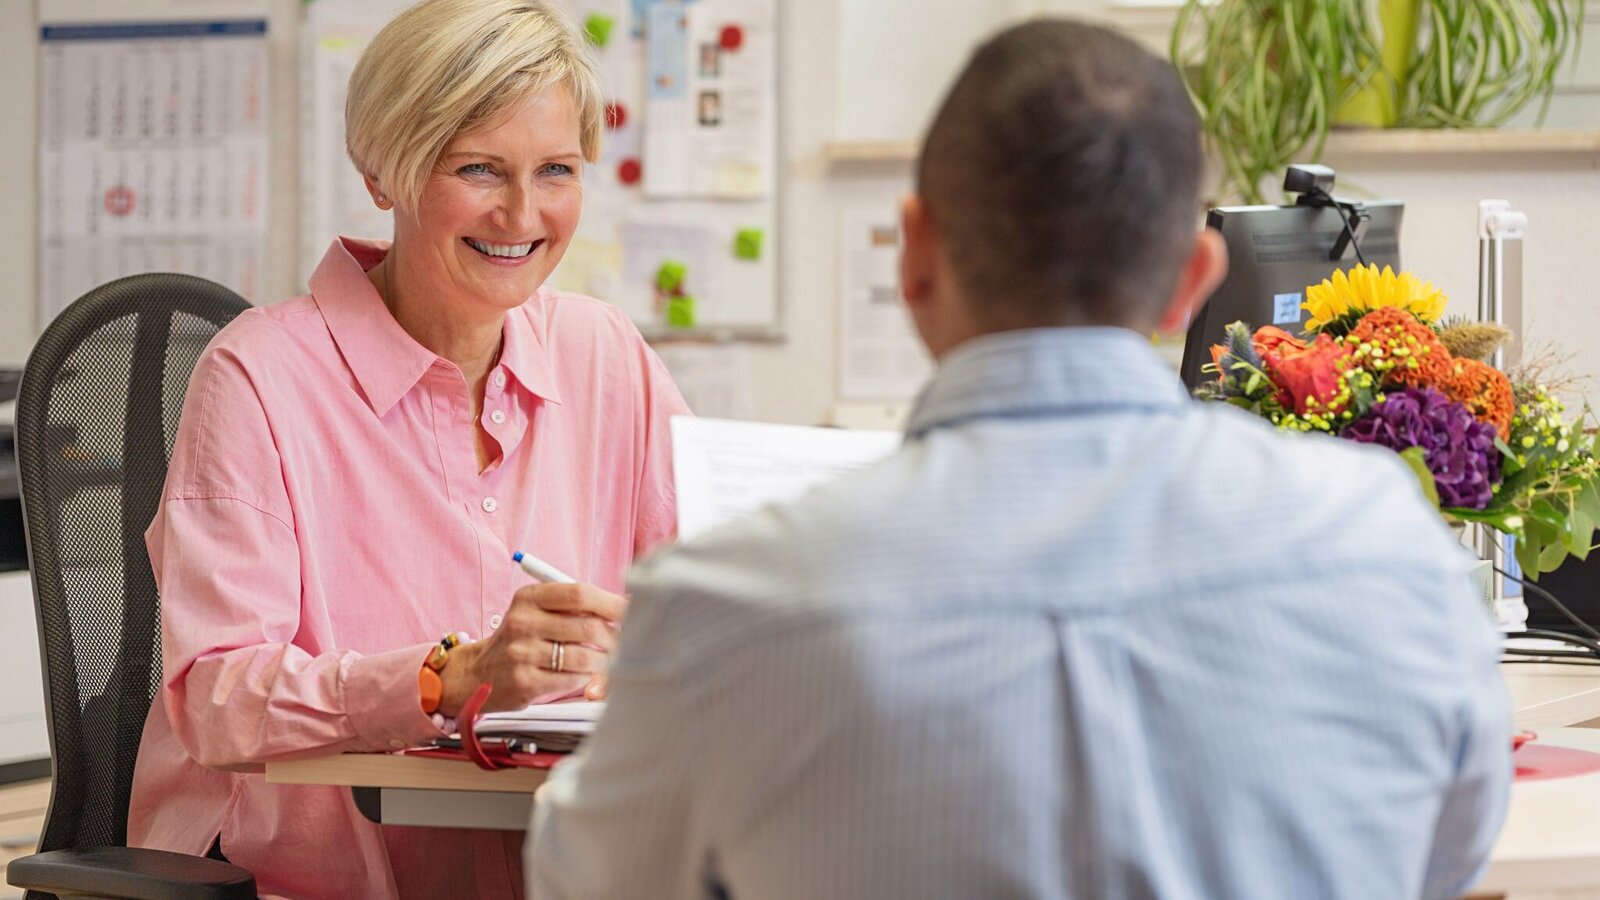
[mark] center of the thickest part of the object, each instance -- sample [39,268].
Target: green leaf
[1551,557]
[1589,501]
[1503,519]
[1582,534]
[1527,554]
[1544,511]
[1416,458]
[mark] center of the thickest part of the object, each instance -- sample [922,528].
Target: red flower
[1307,373]
[1269,338]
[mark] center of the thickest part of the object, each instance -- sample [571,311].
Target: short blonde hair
[447,66]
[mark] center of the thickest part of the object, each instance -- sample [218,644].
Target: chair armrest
[130,873]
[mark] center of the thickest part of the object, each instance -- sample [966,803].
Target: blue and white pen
[541,570]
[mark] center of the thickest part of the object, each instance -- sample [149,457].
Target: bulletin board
[680,211]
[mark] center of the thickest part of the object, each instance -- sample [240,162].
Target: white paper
[333,199]
[880,355]
[711,377]
[571,717]
[152,154]
[646,245]
[711,124]
[725,469]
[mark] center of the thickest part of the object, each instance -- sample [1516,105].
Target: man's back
[1079,638]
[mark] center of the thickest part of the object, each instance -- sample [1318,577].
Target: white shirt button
[498,417]
[489,504]
[494,622]
[499,379]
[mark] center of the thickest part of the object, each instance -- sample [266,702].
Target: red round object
[616,115]
[119,200]
[629,171]
[732,37]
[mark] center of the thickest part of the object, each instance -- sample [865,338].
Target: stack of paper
[552,726]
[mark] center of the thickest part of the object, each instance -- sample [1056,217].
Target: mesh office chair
[96,415]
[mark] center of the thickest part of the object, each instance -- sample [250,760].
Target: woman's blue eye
[474,169]
[559,169]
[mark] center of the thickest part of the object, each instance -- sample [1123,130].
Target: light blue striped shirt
[1079,638]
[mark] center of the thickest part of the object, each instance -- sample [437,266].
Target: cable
[1551,598]
[1585,662]
[1591,649]
[1344,216]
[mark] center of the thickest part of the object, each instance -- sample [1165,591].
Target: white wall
[795,381]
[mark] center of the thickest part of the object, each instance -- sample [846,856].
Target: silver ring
[558,653]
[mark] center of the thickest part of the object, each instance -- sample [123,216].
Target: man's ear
[919,252]
[1205,268]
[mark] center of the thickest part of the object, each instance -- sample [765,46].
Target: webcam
[1308,178]
[1314,184]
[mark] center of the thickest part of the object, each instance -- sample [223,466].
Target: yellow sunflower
[1366,289]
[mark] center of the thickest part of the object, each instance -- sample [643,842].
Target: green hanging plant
[1270,77]
[1480,61]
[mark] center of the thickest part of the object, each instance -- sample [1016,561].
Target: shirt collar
[1046,370]
[523,350]
[387,361]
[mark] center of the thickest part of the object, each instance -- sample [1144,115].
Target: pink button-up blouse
[325,521]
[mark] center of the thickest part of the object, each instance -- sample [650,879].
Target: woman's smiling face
[500,206]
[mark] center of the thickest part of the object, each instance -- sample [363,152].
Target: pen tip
[517,556]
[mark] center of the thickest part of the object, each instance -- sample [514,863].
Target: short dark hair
[1063,173]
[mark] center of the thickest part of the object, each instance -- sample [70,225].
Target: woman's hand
[517,659]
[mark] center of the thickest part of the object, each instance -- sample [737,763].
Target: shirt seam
[220,495]
[205,416]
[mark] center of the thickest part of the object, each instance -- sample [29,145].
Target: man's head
[1058,186]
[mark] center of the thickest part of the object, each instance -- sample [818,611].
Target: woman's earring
[383,202]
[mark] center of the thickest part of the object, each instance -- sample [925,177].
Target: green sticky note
[598,26]
[747,243]
[680,312]
[669,278]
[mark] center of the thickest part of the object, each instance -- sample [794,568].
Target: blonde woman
[355,468]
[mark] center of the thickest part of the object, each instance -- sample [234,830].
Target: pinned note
[669,278]
[680,312]
[747,243]
[598,27]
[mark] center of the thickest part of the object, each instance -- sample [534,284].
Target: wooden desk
[415,790]
[1546,695]
[1551,839]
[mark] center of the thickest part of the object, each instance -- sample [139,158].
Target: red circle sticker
[629,171]
[616,115]
[732,37]
[119,200]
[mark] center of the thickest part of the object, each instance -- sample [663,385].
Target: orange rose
[1268,338]
[1306,373]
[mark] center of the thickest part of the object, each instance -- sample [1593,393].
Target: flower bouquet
[1379,366]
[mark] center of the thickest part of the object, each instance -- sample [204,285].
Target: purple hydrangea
[1459,449]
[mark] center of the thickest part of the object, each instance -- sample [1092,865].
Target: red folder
[486,755]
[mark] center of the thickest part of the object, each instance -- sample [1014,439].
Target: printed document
[725,469]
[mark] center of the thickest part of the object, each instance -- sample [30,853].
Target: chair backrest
[96,414]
